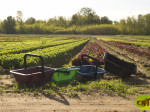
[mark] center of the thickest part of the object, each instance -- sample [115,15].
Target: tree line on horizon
[86,21]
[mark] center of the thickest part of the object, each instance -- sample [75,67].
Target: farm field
[132,49]
[109,94]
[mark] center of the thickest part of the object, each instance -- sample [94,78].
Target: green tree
[116,22]
[86,11]
[59,22]
[1,27]
[105,20]
[78,20]
[147,24]
[85,16]
[93,19]
[74,19]
[52,21]
[129,25]
[19,18]
[90,16]
[141,24]
[134,25]
[9,25]
[62,22]
[123,27]
[30,20]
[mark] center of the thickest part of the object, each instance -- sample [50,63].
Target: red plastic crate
[33,75]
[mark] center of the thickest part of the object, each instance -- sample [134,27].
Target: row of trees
[86,21]
[131,25]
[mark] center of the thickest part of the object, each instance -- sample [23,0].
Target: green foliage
[105,20]
[86,16]
[21,47]
[72,89]
[100,29]
[9,25]
[137,40]
[110,87]
[85,11]
[133,26]
[30,20]
[86,21]
[1,27]
[147,24]
[58,22]
[51,53]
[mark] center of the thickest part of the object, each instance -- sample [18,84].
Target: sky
[45,9]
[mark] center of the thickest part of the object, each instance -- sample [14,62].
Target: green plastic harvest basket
[60,77]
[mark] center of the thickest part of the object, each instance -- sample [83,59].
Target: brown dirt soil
[62,103]
[94,102]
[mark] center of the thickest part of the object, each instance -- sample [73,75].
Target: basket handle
[34,55]
[95,75]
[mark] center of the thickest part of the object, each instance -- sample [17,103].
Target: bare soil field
[62,103]
[94,102]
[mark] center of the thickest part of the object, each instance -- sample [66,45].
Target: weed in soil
[73,89]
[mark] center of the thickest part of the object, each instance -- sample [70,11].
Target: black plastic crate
[118,67]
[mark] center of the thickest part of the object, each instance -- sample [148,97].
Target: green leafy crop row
[50,55]
[21,47]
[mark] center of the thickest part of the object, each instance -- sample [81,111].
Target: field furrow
[143,64]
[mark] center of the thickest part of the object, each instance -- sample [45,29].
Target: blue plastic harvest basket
[87,72]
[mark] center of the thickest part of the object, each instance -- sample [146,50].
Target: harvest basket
[64,75]
[33,75]
[90,72]
[118,67]
[87,72]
